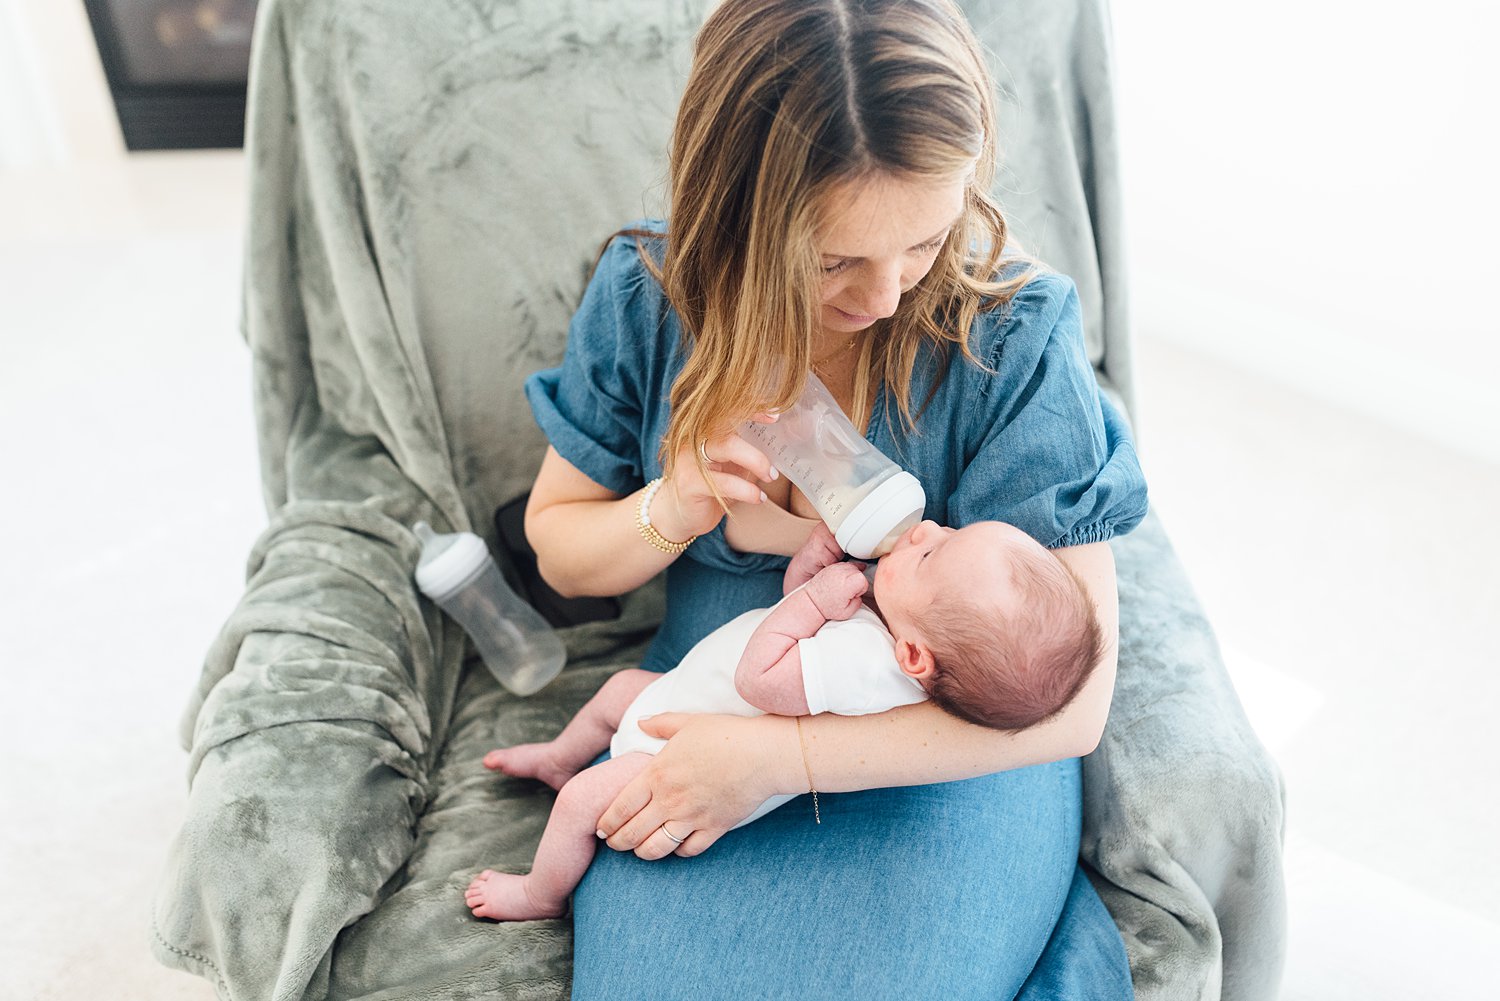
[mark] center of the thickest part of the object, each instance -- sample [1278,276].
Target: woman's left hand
[713,773]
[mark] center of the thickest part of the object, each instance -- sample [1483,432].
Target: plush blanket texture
[429,183]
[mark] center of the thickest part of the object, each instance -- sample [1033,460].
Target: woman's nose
[880,294]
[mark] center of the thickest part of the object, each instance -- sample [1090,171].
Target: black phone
[557,610]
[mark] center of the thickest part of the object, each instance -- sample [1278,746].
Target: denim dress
[964,889]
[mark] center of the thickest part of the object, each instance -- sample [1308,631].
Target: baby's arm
[820,550]
[769,675]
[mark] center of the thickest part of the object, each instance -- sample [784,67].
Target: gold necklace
[817,362]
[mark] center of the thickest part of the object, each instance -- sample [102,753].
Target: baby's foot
[531,761]
[504,897]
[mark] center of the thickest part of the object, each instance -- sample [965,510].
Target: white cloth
[849,668]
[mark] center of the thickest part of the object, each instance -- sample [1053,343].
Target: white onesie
[849,668]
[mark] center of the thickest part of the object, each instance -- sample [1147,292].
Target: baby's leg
[582,740]
[566,850]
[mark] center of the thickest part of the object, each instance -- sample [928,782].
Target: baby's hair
[1013,671]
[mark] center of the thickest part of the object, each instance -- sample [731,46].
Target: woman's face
[879,237]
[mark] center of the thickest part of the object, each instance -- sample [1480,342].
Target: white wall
[1311,194]
[1308,182]
[55,109]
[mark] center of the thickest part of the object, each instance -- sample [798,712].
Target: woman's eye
[833,269]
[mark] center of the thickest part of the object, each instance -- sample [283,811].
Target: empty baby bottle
[517,645]
[865,498]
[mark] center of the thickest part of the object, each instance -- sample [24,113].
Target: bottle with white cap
[457,572]
[865,498]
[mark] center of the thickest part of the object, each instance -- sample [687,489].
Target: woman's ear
[915,660]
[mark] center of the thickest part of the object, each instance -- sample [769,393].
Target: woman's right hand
[685,506]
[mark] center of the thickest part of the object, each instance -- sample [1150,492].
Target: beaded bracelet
[648,531]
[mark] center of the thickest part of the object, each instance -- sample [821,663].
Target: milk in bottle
[865,498]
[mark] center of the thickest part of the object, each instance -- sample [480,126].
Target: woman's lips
[853,317]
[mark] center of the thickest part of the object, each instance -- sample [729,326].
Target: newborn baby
[982,620]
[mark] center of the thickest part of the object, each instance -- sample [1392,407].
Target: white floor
[1347,567]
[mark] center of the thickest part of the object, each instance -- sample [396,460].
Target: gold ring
[703,451]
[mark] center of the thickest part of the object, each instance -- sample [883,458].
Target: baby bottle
[866,499]
[457,572]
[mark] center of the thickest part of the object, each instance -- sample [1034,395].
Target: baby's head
[995,628]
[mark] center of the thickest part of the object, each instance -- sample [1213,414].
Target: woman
[829,170]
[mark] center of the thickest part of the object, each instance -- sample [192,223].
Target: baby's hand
[819,551]
[837,590]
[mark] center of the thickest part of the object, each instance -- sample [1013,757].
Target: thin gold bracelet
[648,531]
[817,815]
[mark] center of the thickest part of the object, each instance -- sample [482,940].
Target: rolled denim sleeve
[1054,458]
[590,407]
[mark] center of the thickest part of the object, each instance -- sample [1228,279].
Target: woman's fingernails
[600,835]
[763,497]
[774,473]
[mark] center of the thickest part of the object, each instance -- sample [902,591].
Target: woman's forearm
[593,547]
[920,744]
[716,769]
[588,539]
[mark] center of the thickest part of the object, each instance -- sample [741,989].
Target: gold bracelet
[817,816]
[648,531]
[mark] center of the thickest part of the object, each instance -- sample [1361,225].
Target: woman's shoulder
[621,262]
[1038,310]
[624,284]
[1013,339]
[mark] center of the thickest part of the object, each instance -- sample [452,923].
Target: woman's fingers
[732,450]
[657,844]
[714,771]
[631,801]
[636,830]
[737,488]
[697,843]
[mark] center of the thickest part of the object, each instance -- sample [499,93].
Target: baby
[982,620]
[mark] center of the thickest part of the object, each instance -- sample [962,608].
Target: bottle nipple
[448,562]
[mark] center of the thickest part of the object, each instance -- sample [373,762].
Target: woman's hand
[713,773]
[685,506]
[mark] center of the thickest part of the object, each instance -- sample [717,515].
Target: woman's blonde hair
[787,101]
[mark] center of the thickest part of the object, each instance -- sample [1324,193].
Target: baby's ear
[915,659]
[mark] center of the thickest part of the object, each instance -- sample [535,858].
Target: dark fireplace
[176,69]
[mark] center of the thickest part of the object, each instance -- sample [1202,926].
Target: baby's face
[930,561]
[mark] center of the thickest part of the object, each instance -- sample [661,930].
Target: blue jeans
[961,890]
